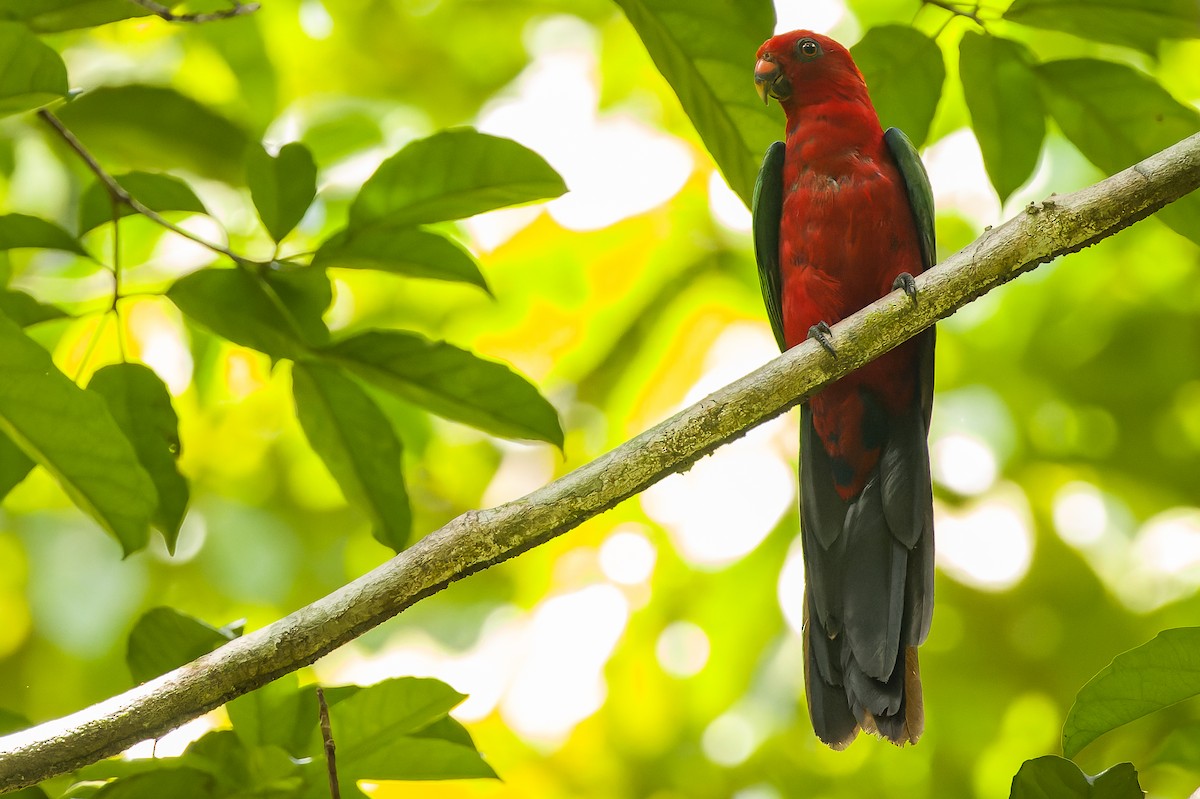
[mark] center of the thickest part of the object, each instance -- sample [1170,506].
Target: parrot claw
[906,281]
[821,332]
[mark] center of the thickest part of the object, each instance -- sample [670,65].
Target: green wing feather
[920,195]
[767,209]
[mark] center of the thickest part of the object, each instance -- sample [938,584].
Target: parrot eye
[808,49]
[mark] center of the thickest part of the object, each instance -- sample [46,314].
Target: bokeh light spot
[315,20]
[790,590]
[963,463]
[627,556]
[758,792]
[729,739]
[1079,514]
[559,680]
[725,206]
[1169,543]
[814,15]
[682,649]
[614,164]
[989,545]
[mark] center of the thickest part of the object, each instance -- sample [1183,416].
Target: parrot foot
[821,332]
[906,281]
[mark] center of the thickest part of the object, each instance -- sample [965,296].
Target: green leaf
[265,771]
[402,251]
[52,16]
[177,783]
[1052,777]
[156,191]
[11,722]
[357,442]
[278,314]
[1133,23]
[278,714]
[21,230]
[25,310]
[447,729]
[1150,677]
[72,434]
[282,186]
[15,465]
[412,757]
[705,49]
[115,768]
[399,706]
[398,730]
[904,71]
[1006,110]
[306,293]
[341,132]
[156,128]
[31,72]
[164,639]
[141,406]
[452,175]
[222,754]
[33,792]
[450,382]
[1117,116]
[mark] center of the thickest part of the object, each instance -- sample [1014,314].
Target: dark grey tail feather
[869,595]
[880,698]
[873,586]
[831,718]
[822,515]
[918,590]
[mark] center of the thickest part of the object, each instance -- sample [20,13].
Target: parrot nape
[843,214]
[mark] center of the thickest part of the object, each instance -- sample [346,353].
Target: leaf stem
[116,267]
[116,258]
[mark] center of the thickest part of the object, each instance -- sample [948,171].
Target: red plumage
[846,233]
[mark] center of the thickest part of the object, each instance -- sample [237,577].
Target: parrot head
[805,68]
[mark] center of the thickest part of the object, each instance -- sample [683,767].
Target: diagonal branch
[479,539]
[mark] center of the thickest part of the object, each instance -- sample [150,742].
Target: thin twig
[957,10]
[335,790]
[118,192]
[161,11]
[479,539]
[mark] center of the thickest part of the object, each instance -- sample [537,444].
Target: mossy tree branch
[479,539]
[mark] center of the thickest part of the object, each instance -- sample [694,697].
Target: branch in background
[119,195]
[479,539]
[161,11]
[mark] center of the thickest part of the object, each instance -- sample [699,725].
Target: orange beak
[770,81]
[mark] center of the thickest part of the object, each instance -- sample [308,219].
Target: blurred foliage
[652,652]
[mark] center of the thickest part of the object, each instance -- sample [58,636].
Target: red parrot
[843,214]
